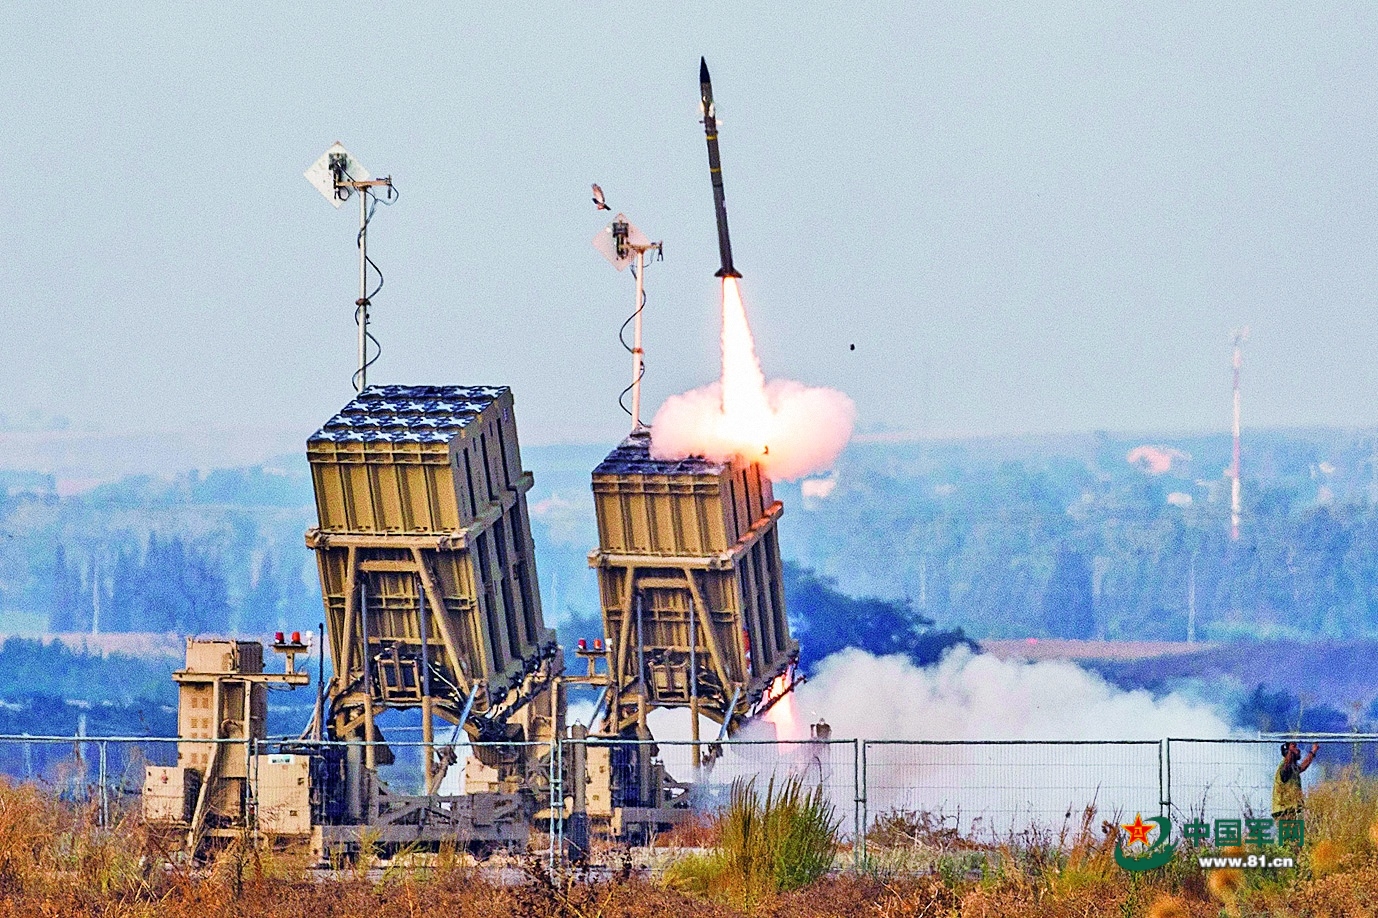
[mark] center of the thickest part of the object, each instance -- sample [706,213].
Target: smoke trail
[791,429]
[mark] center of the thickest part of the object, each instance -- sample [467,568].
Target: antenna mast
[1191,601]
[338,175]
[1238,340]
[621,243]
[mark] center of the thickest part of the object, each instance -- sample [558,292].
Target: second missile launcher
[689,576]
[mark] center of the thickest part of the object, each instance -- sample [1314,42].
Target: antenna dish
[331,174]
[620,241]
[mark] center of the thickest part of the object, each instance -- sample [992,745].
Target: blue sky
[1045,218]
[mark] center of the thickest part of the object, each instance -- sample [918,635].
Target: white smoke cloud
[1045,777]
[970,696]
[1053,715]
[805,431]
[980,697]
[1155,460]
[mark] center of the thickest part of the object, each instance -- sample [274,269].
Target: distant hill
[1048,537]
[138,644]
[1340,675]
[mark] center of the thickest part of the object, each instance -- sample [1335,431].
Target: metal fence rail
[980,791]
[829,764]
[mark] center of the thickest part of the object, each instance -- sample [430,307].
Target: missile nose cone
[703,70]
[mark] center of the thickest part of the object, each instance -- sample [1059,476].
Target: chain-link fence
[108,772]
[1233,778]
[591,799]
[991,791]
[665,794]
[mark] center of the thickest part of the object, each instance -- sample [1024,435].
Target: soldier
[1287,796]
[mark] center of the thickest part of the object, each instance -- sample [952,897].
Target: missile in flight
[710,128]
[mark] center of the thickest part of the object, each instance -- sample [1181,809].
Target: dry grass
[700,832]
[1166,906]
[56,861]
[1341,815]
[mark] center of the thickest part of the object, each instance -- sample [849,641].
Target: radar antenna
[623,244]
[338,176]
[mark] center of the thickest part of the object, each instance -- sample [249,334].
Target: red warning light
[277,637]
[583,644]
[296,637]
[597,643]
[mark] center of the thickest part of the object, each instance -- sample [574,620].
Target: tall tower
[1238,340]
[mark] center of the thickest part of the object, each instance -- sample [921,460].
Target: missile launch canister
[710,128]
[692,588]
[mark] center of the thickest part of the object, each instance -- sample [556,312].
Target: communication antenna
[338,176]
[623,244]
[1237,339]
[1191,599]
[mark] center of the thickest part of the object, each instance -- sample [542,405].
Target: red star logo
[1138,830]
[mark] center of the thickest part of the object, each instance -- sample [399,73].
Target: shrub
[768,844]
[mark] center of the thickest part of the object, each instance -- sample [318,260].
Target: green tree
[263,604]
[1068,605]
[69,609]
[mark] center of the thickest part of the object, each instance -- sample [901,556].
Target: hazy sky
[1025,221]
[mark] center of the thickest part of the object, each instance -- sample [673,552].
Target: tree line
[1064,547]
[166,585]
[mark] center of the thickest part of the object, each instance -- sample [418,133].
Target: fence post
[1165,775]
[559,751]
[859,814]
[1162,791]
[254,791]
[104,792]
[556,800]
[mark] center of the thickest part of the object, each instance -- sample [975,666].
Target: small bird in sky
[598,201]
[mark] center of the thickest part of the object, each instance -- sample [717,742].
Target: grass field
[766,857]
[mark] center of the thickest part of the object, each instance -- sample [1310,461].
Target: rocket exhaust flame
[791,429]
[745,408]
[782,711]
